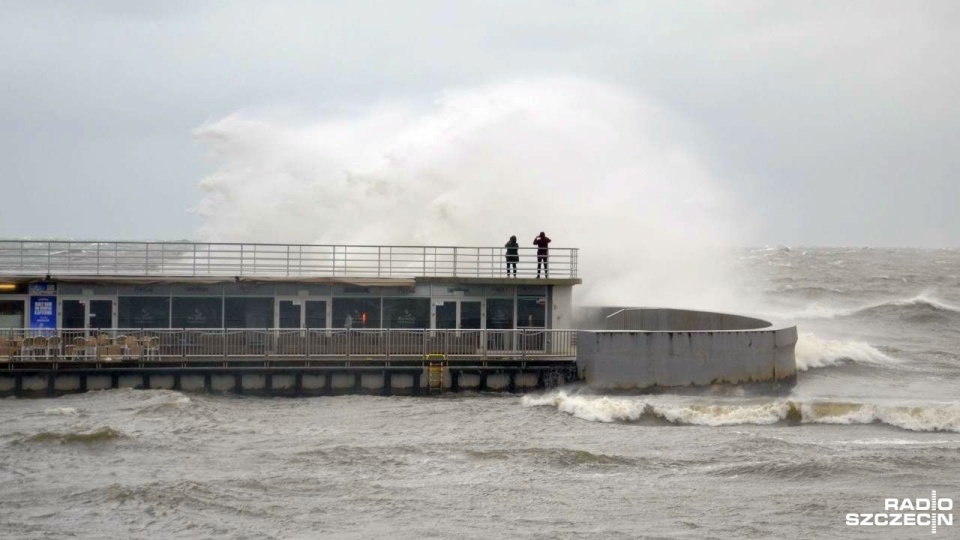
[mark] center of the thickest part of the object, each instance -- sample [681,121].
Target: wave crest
[940,417]
[814,352]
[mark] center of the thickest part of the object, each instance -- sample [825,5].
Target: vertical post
[146,258]
[454,261]
[379,259]
[387,383]
[49,250]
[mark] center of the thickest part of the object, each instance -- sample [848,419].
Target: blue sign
[43,312]
[43,288]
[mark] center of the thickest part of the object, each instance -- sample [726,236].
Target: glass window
[142,312]
[531,311]
[72,314]
[406,312]
[499,313]
[248,312]
[11,313]
[356,313]
[470,315]
[290,313]
[100,313]
[316,313]
[197,312]
[447,315]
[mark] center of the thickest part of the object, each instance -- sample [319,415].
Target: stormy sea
[875,415]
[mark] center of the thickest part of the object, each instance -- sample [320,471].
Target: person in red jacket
[541,242]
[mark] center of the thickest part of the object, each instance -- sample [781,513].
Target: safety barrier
[199,344]
[110,258]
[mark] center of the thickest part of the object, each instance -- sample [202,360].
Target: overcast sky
[833,123]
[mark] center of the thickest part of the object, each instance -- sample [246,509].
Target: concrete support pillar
[387,390]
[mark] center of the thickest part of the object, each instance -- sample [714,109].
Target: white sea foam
[929,417]
[61,411]
[945,417]
[592,165]
[814,352]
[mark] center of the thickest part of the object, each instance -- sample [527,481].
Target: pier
[281,319]
[299,320]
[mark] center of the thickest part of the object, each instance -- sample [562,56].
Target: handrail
[226,259]
[167,344]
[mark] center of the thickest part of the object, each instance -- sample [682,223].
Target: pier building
[282,318]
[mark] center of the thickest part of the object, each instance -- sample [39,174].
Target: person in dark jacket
[541,242]
[512,256]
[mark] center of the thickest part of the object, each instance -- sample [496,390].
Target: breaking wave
[921,308]
[940,417]
[814,352]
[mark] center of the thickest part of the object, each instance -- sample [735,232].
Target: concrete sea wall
[657,347]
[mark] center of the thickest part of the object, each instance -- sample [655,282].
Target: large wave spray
[593,166]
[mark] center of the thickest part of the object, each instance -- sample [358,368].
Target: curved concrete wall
[669,348]
[661,319]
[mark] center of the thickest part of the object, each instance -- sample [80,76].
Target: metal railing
[96,258]
[206,344]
